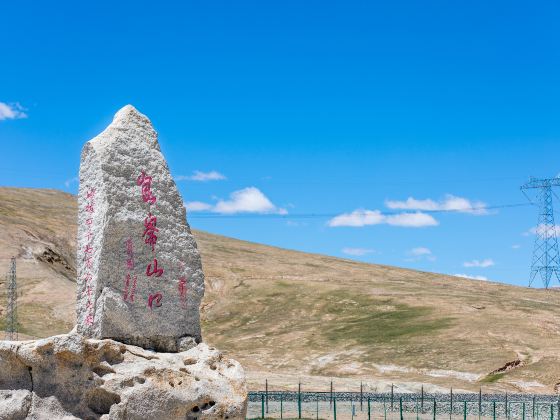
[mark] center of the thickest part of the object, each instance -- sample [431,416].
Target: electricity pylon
[11,310]
[546,260]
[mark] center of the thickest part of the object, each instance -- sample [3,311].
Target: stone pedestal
[72,377]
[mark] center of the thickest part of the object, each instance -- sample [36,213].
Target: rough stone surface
[125,191]
[70,376]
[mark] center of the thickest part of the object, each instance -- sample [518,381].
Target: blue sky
[343,109]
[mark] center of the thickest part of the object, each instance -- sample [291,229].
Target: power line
[206,215]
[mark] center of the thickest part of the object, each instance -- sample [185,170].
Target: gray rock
[140,278]
[70,376]
[14,405]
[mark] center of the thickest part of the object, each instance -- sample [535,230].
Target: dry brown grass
[292,316]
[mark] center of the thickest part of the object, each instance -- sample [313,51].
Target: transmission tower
[11,310]
[546,260]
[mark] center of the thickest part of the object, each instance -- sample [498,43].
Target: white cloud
[70,181]
[197,206]
[542,230]
[357,218]
[488,262]
[202,176]
[361,217]
[416,219]
[466,276]
[293,223]
[358,252]
[247,200]
[420,253]
[449,203]
[516,246]
[12,111]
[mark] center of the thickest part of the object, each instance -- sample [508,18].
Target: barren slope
[292,316]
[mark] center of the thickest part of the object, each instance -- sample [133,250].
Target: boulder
[74,377]
[140,278]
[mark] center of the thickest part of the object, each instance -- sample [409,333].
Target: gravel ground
[319,405]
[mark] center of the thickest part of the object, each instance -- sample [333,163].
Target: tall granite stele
[140,278]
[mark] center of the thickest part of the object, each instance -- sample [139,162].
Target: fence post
[317,406]
[334,406]
[361,396]
[384,409]
[450,403]
[416,408]
[523,412]
[262,406]
[392,397]
[422,398]
[551,411]
[507,408]
[299,400]
[479,402]
[435,408]
[368,409]
[534,399]
[400,407]
[494,410]
[331,395]
[464,410]
[281,407]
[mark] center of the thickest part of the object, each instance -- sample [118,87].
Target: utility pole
[11,310]
[546,259]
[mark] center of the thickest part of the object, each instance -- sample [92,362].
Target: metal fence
[365,405]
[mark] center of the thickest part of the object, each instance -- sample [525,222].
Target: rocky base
[70,376]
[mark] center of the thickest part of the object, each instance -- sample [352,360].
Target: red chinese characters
[88,260]
[129,254]
[154,300]
[150,230]
[145,182]
[155,271]
[150,235]
[129,289]
[88,252]
[183,291]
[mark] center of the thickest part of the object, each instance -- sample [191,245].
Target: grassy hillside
[292,316]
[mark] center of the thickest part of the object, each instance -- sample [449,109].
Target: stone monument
[136,353]
[140,278]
